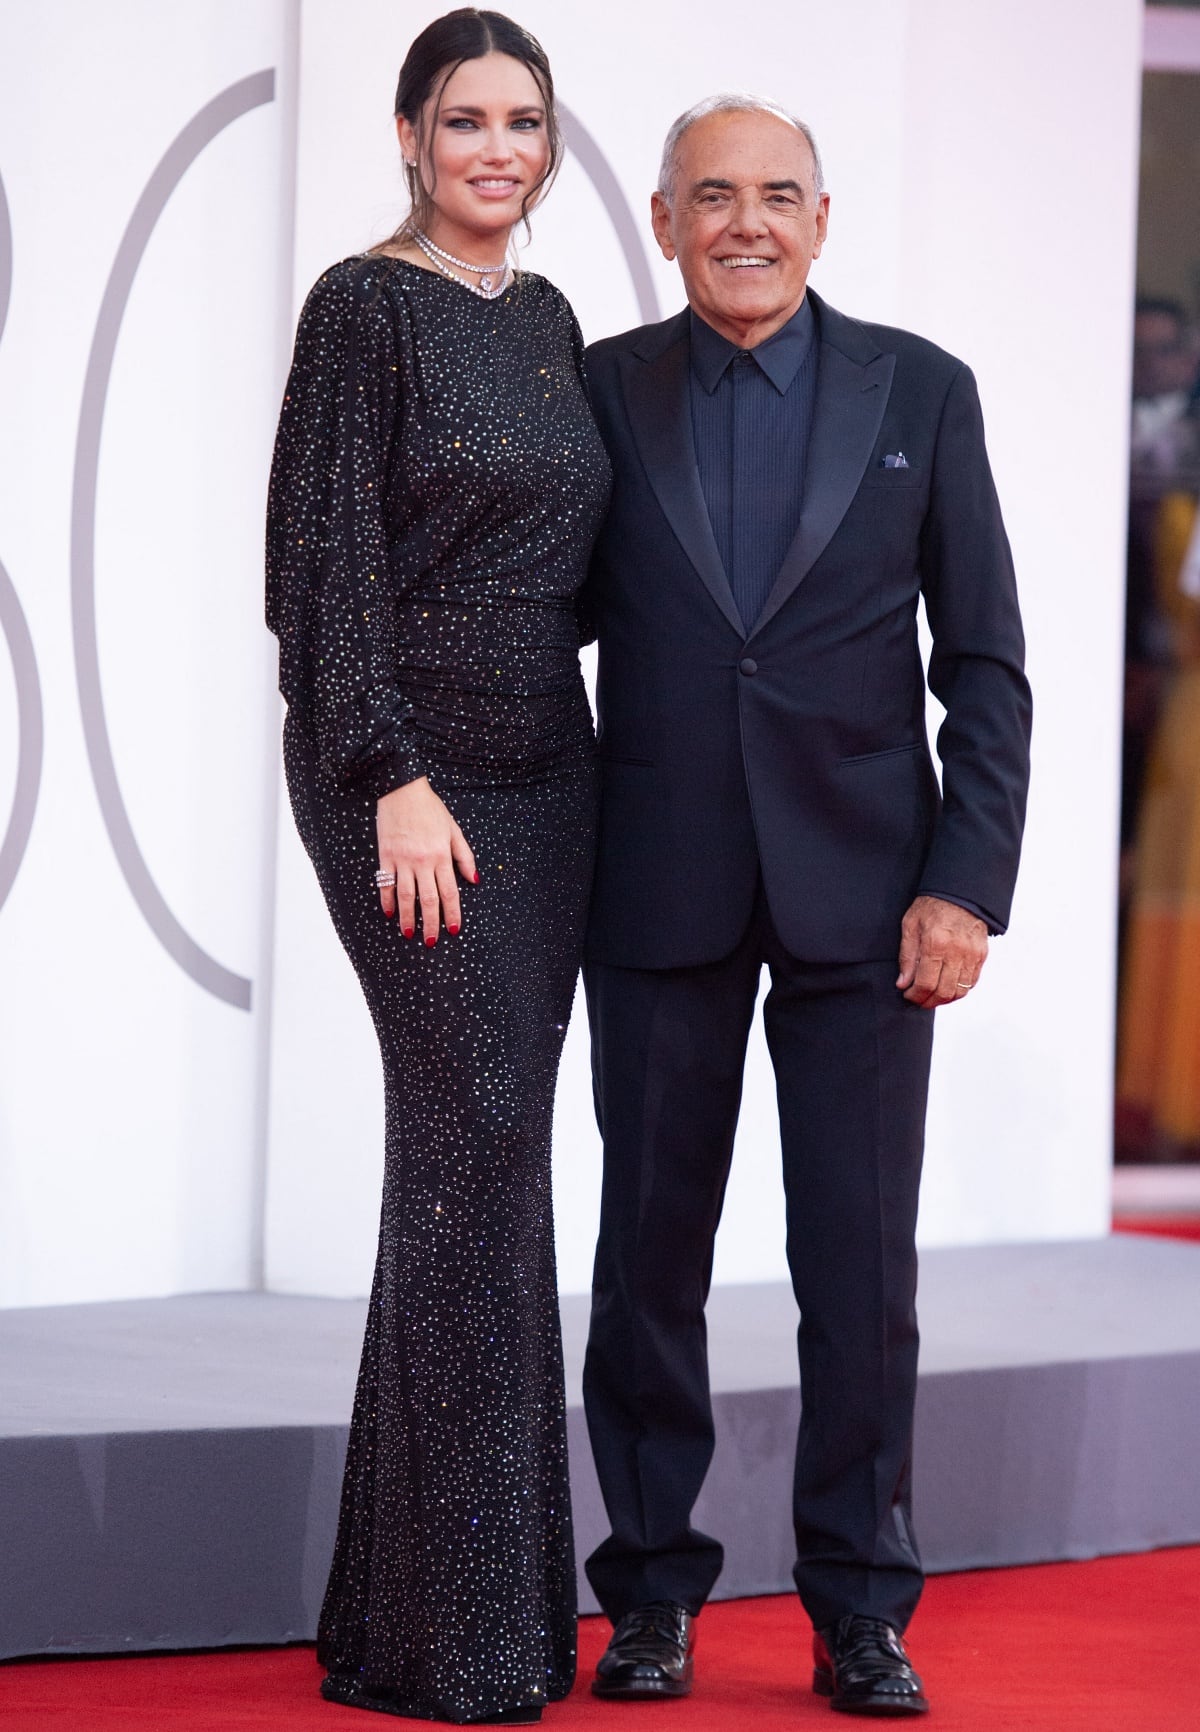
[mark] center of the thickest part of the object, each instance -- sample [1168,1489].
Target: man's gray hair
[730,102]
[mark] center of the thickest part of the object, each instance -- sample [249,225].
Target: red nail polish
[453,931]
[431,941]
[475,880]
[408,931]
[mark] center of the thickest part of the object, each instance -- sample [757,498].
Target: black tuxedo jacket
[798,749]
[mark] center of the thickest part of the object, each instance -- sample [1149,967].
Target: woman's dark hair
[433,59]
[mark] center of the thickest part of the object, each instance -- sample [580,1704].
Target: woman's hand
[420,842]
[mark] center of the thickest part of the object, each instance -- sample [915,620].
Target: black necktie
[747,580]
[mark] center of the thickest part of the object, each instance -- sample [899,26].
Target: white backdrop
[130,1116]
[155,1134]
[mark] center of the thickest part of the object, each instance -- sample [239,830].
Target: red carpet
[1109,1646]
[1159,1226]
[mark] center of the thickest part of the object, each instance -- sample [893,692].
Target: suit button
[747,666]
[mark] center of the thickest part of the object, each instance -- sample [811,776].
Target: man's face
[744,222]
[1163,359]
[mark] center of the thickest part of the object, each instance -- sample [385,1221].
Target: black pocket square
[894,460]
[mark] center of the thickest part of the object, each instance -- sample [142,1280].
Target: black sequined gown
[436,488]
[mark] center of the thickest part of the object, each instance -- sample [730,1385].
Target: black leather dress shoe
[650,1654]
[860,1664]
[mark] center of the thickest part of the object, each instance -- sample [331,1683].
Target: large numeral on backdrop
[596,166]
[24,663]
[213,118]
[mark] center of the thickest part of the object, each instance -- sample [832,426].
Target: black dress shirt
[751,417]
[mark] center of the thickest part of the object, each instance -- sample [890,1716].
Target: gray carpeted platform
[169,1469]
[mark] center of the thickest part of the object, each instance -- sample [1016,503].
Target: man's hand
[942,950]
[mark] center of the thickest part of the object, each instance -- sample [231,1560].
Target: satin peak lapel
[847,416]
[660,413]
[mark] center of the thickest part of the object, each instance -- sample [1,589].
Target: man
[1163,435]
[1164,457]
[787,483]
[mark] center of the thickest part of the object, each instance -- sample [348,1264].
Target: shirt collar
[779,357]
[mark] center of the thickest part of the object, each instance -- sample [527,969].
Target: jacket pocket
[878,757]
[895,480]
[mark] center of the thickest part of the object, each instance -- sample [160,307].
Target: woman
[437,485]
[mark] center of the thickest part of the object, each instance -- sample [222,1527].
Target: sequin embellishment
[433,502]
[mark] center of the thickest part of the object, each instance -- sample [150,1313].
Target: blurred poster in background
[1158,1052]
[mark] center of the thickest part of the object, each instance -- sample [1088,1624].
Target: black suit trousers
[851,1061]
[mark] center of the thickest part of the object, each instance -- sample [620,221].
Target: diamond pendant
[485,284]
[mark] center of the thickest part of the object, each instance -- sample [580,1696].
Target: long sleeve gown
[436,488]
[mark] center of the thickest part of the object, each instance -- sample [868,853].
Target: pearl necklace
[488,289]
